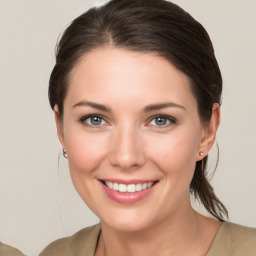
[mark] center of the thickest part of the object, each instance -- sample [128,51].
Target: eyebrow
[93,105]
[161,106]
[148,108]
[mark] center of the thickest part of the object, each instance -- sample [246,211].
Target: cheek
[175,153]
[85,151]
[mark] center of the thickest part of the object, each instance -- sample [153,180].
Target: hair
[150,26]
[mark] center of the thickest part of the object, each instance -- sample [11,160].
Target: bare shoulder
[81,243]
[6,250]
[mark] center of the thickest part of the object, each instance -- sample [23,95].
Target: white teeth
[115,186]
[150,184]
[109,184]
[144,186]
[138,187]
[122,188]
[131,188]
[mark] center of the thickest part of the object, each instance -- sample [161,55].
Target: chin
[125,226]
[127,221]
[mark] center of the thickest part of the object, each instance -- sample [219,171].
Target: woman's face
[133,135]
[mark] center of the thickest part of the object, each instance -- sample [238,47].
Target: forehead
[123,74]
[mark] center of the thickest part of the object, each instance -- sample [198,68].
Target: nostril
[127,150]
[126,161]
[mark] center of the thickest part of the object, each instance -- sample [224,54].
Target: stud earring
[64,152]
[201,153]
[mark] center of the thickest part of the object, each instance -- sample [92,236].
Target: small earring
[64,152]
[201,153]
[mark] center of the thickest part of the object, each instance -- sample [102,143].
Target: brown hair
[148,26]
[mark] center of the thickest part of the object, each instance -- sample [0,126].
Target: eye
[161,120]
[93,120]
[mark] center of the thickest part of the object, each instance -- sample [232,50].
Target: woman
[136,92]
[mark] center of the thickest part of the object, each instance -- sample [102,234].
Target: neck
[180,234]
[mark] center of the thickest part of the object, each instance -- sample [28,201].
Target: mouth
[128,188]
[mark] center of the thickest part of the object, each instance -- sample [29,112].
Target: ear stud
[201,153]
[64,152]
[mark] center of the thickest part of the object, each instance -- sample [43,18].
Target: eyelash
[84,118]
[171,120]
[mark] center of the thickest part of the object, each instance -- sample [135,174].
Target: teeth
[115,186]
[138,187]
[109,184]
[144,186]
[150,184]
[122,188]
[131,188]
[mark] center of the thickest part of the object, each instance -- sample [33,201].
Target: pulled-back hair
[153,26]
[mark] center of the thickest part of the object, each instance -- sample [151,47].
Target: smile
[130,188]
[128,192]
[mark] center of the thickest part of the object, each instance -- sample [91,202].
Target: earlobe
[59,126]
[210,131]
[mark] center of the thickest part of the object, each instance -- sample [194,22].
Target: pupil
[161,121]
[96,120]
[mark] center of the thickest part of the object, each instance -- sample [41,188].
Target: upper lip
[127,182]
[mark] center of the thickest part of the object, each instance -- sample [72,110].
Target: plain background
[38,203]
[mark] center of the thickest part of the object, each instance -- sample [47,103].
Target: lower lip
[126,197]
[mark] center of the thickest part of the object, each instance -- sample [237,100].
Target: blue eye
[161,121]
[93,120]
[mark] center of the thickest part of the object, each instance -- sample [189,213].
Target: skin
[129,144]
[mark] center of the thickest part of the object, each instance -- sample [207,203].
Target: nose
[127,150]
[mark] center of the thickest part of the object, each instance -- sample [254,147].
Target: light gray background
[37,201]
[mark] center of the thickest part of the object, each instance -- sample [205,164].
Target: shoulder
[6,250]
[238,231]
[81,243]
[241,237]
[234,240]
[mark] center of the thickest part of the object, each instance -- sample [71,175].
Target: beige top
[6,250]
[231,240]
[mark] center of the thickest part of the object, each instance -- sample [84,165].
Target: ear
[209,133]
[59,126]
